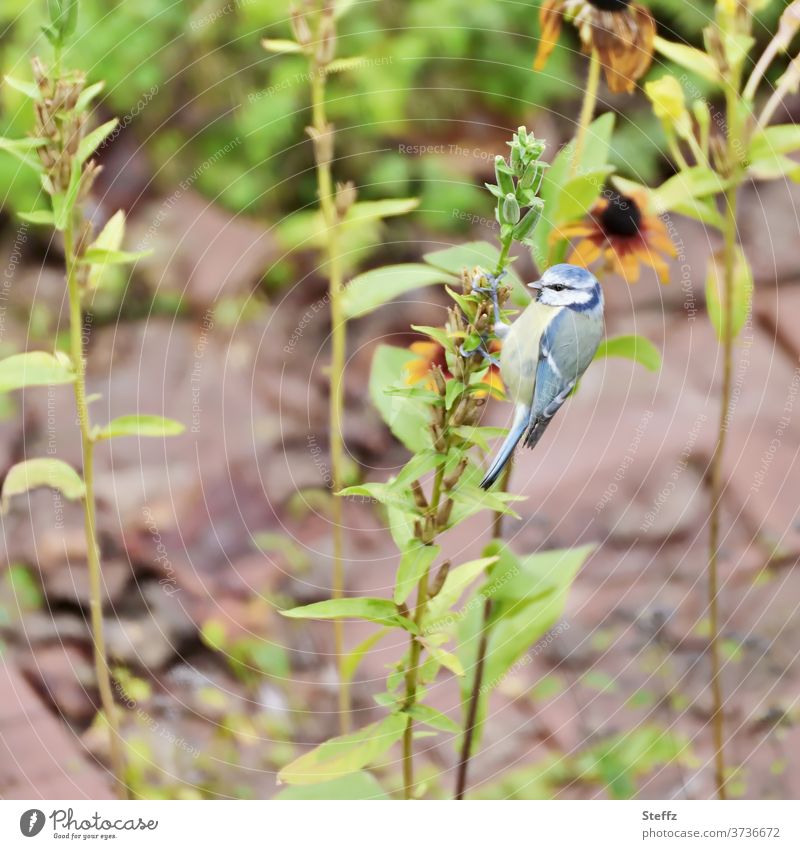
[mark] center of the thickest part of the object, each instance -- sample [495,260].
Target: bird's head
[567,285]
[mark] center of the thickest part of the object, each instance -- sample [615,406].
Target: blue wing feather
[556,373]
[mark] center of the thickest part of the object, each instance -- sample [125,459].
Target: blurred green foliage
[187,78]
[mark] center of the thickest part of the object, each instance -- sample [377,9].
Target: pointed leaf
[359,786]
[39,216]
[34,368]
[379,610]
[29,89]
[107,256]
[156,426]
[414,563]
[742,293]
[32,474]
[346,754]
[368,291]
[635,348]
[91,141]
[281,45]
[688,57]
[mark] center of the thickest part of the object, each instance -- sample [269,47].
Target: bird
[545,352]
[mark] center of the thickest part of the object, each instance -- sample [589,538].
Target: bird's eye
[558,287]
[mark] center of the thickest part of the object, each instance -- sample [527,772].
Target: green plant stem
[587,110]
[102,670]
[480,663]
[412,673]
[730,246]
[327,202]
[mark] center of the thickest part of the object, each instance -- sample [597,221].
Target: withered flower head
[622,33]
[619,231]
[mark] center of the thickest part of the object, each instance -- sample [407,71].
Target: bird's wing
[560,366]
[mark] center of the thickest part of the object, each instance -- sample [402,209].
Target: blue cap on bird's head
[567,285]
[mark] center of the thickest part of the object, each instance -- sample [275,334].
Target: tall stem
[717,485]
[480,664]
[323,146]
[412,673]
[483,644]
[102,670]
[587,110]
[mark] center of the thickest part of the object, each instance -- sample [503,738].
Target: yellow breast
[520,355]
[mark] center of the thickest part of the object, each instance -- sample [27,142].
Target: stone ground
[624,466]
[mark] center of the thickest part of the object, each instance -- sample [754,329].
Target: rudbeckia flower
[431,354]
[621,32]
[619,231]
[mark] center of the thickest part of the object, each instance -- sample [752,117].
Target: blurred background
[224,327]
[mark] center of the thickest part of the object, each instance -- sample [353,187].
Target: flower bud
[511,211]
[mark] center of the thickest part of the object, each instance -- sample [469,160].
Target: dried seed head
[419,496]
[438,581]
[345,197]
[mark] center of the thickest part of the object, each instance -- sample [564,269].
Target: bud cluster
[60,122]
[518,181]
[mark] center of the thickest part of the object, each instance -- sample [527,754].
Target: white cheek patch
[565,298]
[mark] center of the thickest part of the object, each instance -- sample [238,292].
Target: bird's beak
[537,284]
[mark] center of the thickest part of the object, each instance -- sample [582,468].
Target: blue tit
[545,352]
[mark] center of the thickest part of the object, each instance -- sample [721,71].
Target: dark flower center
[610,5]
[622,217]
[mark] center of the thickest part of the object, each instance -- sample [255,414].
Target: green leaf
[484,255]
[560,175]
[447,660]
[347,63]
[344,755]
[372,289]
[370,210]
[429,716]
[88,95]
[358,786]
[406,419]
[379,610]
[694,183]
[32,474]
[414,563]
[579,194]
[281,45]
[139,426]
[23,149]
[108,239]
[91,141]
[63,204]
[454,586]
[106,256]
[690,58]
[635,348]
[742,293]
[38,216]
[353,658]
[29,89]
[35,368]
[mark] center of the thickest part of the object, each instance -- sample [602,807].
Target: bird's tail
[518,428]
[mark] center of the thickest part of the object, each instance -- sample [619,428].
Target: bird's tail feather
[518,428]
